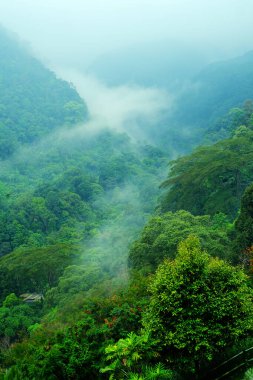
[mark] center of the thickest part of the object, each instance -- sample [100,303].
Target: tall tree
[212,179]
[199,305]
[244,225]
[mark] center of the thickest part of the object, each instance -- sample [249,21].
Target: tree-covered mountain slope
[162,234]
[70,189]
[73,201]
[204,103]
[213,178]
[33,101]
[215,90]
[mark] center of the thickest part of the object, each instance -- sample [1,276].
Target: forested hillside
[213,178]
[104,275]
[210,102]
[216,89]
[33,101]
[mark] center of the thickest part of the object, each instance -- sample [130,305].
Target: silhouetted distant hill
[163,64]
[216,89]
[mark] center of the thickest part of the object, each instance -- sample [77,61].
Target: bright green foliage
[61,195]
[127,356]
[151,373]
[199,305]
[77,352]
[63,188]
[73,194]
[211,179]
[162,234]
[248,375]
[15,319]
[244,223]
[47,215]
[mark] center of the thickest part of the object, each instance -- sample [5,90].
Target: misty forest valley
[126,193]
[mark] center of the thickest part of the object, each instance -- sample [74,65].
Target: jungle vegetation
[135,282]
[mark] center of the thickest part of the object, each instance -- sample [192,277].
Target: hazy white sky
[62,30]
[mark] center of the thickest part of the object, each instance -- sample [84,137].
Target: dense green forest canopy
[61,194]
[244,224]
[129,284]
[163,233]
[198,305]
[213,178]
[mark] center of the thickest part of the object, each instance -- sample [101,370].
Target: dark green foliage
[244,223]
[76,279]
[212,179]
[162,234]
[34,269]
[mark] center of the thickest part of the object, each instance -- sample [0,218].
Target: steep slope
[78,180]
[33,101]
[213,178]
[67,219]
